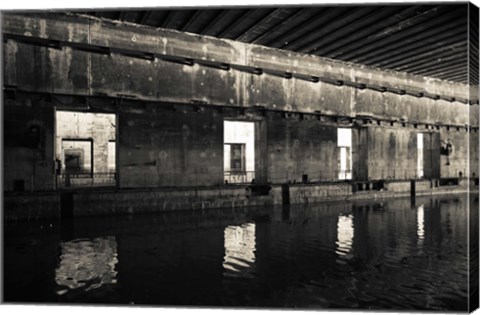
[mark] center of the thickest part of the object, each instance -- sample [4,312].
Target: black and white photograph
[320,157]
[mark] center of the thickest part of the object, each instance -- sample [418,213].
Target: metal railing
[296,176]
[153,179]
[239,177]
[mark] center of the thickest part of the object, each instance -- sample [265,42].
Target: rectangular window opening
[239,151]
[420,155]
[85,149]
[344,143]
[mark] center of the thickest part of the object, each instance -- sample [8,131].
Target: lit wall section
[239,151]
[85,149]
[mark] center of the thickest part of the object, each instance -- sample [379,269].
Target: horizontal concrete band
[126,36]
[90,203]
[198,69]
[97,103]
[97,49]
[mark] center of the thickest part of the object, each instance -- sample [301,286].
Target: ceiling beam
[263,24]
[361,34]
[438,66]
[143,18]
[414,50]
[389,31]
[348,30]
[415,20]
[313,22]
[241,19]
[401,33]
[192,20]
[417,39]
[409,65]
[458,78]
[209,26]
[335,22]
[453,48]
[449,74]
[288,21]
[446,69]
[167,19]
[121,15]
[428,63]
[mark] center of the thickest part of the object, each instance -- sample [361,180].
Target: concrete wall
[392,153]
[455,163]
[170,115]
[159,147]
[28,145]
[184,147]
[169,145]
[473,153]
[72,71]
[402,186]
[298,146]
[87,204]
[31,206]
[304,194]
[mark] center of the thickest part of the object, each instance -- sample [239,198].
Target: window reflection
[87,264]
[239,249]
[344,235]
[420,224]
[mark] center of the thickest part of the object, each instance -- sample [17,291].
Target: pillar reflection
[345,235]
[86,264]
[420,225]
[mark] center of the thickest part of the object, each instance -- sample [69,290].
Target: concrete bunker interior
[158,119]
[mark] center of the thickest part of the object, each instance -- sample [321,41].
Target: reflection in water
[356,255]
[420,224]
[239,250]
[344,235]
[88,264]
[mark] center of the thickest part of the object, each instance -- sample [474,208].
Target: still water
[391,254]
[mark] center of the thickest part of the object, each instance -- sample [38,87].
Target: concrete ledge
[35,206]
[310,193]
[404,186]
[131,202]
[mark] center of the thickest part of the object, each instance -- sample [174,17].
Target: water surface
[389,254]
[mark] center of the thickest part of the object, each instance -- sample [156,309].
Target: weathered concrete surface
[118,202]
[473,153]
[301,146]
[28,145]
[391,153]
[305,194]
[162,143]
[134,202]
[31,206]
[160,147]
[457,161]
[116,75]
[405,186]
[360,153]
